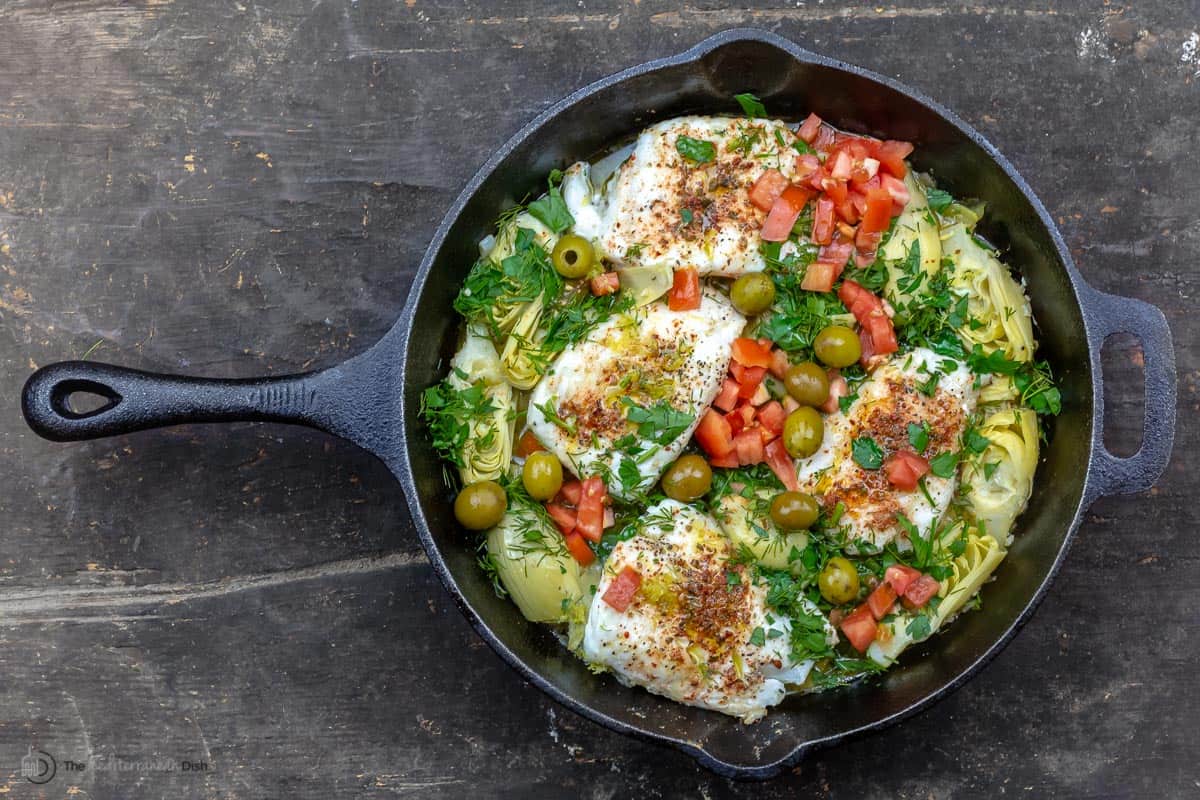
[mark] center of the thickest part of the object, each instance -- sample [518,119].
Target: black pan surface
[372,399]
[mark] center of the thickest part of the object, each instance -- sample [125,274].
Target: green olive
[838,582]
[794,511]
[807,383]
[803,432]
[687,479]
[480,505]
[752,294]
[837,346]
[542,475]
[573,256]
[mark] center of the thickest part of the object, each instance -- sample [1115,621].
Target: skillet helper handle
[1108,314]
[138,400]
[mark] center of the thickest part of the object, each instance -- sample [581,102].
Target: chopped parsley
[751,106]
[918,436]
[659,423]
[938,199]
[449,411]
[697,150]
[944,464]
[866,453]
[551,210]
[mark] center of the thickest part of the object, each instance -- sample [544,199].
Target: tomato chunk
[809,128]
[727,398]
[751,352]
[781,464]
[714,435]
[839,250]
[900,577]
[579,549]
[779,363]
[528,444]
[878,214]
[881,600]
[806,165]
[727,461]
[751,378]
[905,469]
[783,214]
[868,310]
[685,290]
[749,446]
[819,276]
[767,188]
[859,628]
[891,155]
[838,388]
[822,229]
[772,416]
[605,283]
[570,493]
[920,591]
[621,591]
[589,518]
[563,517]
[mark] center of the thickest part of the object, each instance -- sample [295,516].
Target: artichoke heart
[915,225]
[488,449]
[999,483]
[748,525]
[1000,315]
[533,564]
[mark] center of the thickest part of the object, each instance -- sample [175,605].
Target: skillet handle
[337,400]
[1106,314]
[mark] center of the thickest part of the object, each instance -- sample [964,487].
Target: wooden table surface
[236,187]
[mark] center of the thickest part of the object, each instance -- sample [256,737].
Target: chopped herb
[551,210]
[802,147]
[551,413]
[448,412]
[846,401]
[733,578]
[943,465]
[686,215]
[697,150]
[758,637]
[918,436]
[751,106]
[975,441]
[989,469]
[918,628]
[660,422]
[866,453]
[938,199]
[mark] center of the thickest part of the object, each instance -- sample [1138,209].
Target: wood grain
[231,187]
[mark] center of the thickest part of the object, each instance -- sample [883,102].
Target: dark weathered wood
[232,187]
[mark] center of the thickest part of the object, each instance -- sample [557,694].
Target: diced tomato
[891,155]
[900,576]
[589,516]
[779,363]
[771,416]
[563,517]
[920,591]
[783,214]
[749,446]
[727,398]
[878,215]
[859,628]
[819,277]
[570,493]
[621,591]
[806,165]
[528,444]
[904,469]
[881,600]
[728,461]
[714,435]
[899,192]
[605,283]
[838,388]
[685,291]
[868,310]
[825,138]
[610,517]
[822,229]
[836,190]
[840,166]
[838,251]
[809,128]
[739,418]
[767,188]
[760,396]
[751,378]
[579,549]
[781,464]
[866,348]
[751,353]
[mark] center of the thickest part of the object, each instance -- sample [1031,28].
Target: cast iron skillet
[372,399]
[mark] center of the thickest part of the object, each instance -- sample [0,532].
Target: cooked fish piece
[892,398]
[623,402]
[663,207]
[687,633]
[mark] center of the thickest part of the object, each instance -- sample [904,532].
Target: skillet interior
[791,83]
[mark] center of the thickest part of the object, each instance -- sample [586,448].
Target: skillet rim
[404,471]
